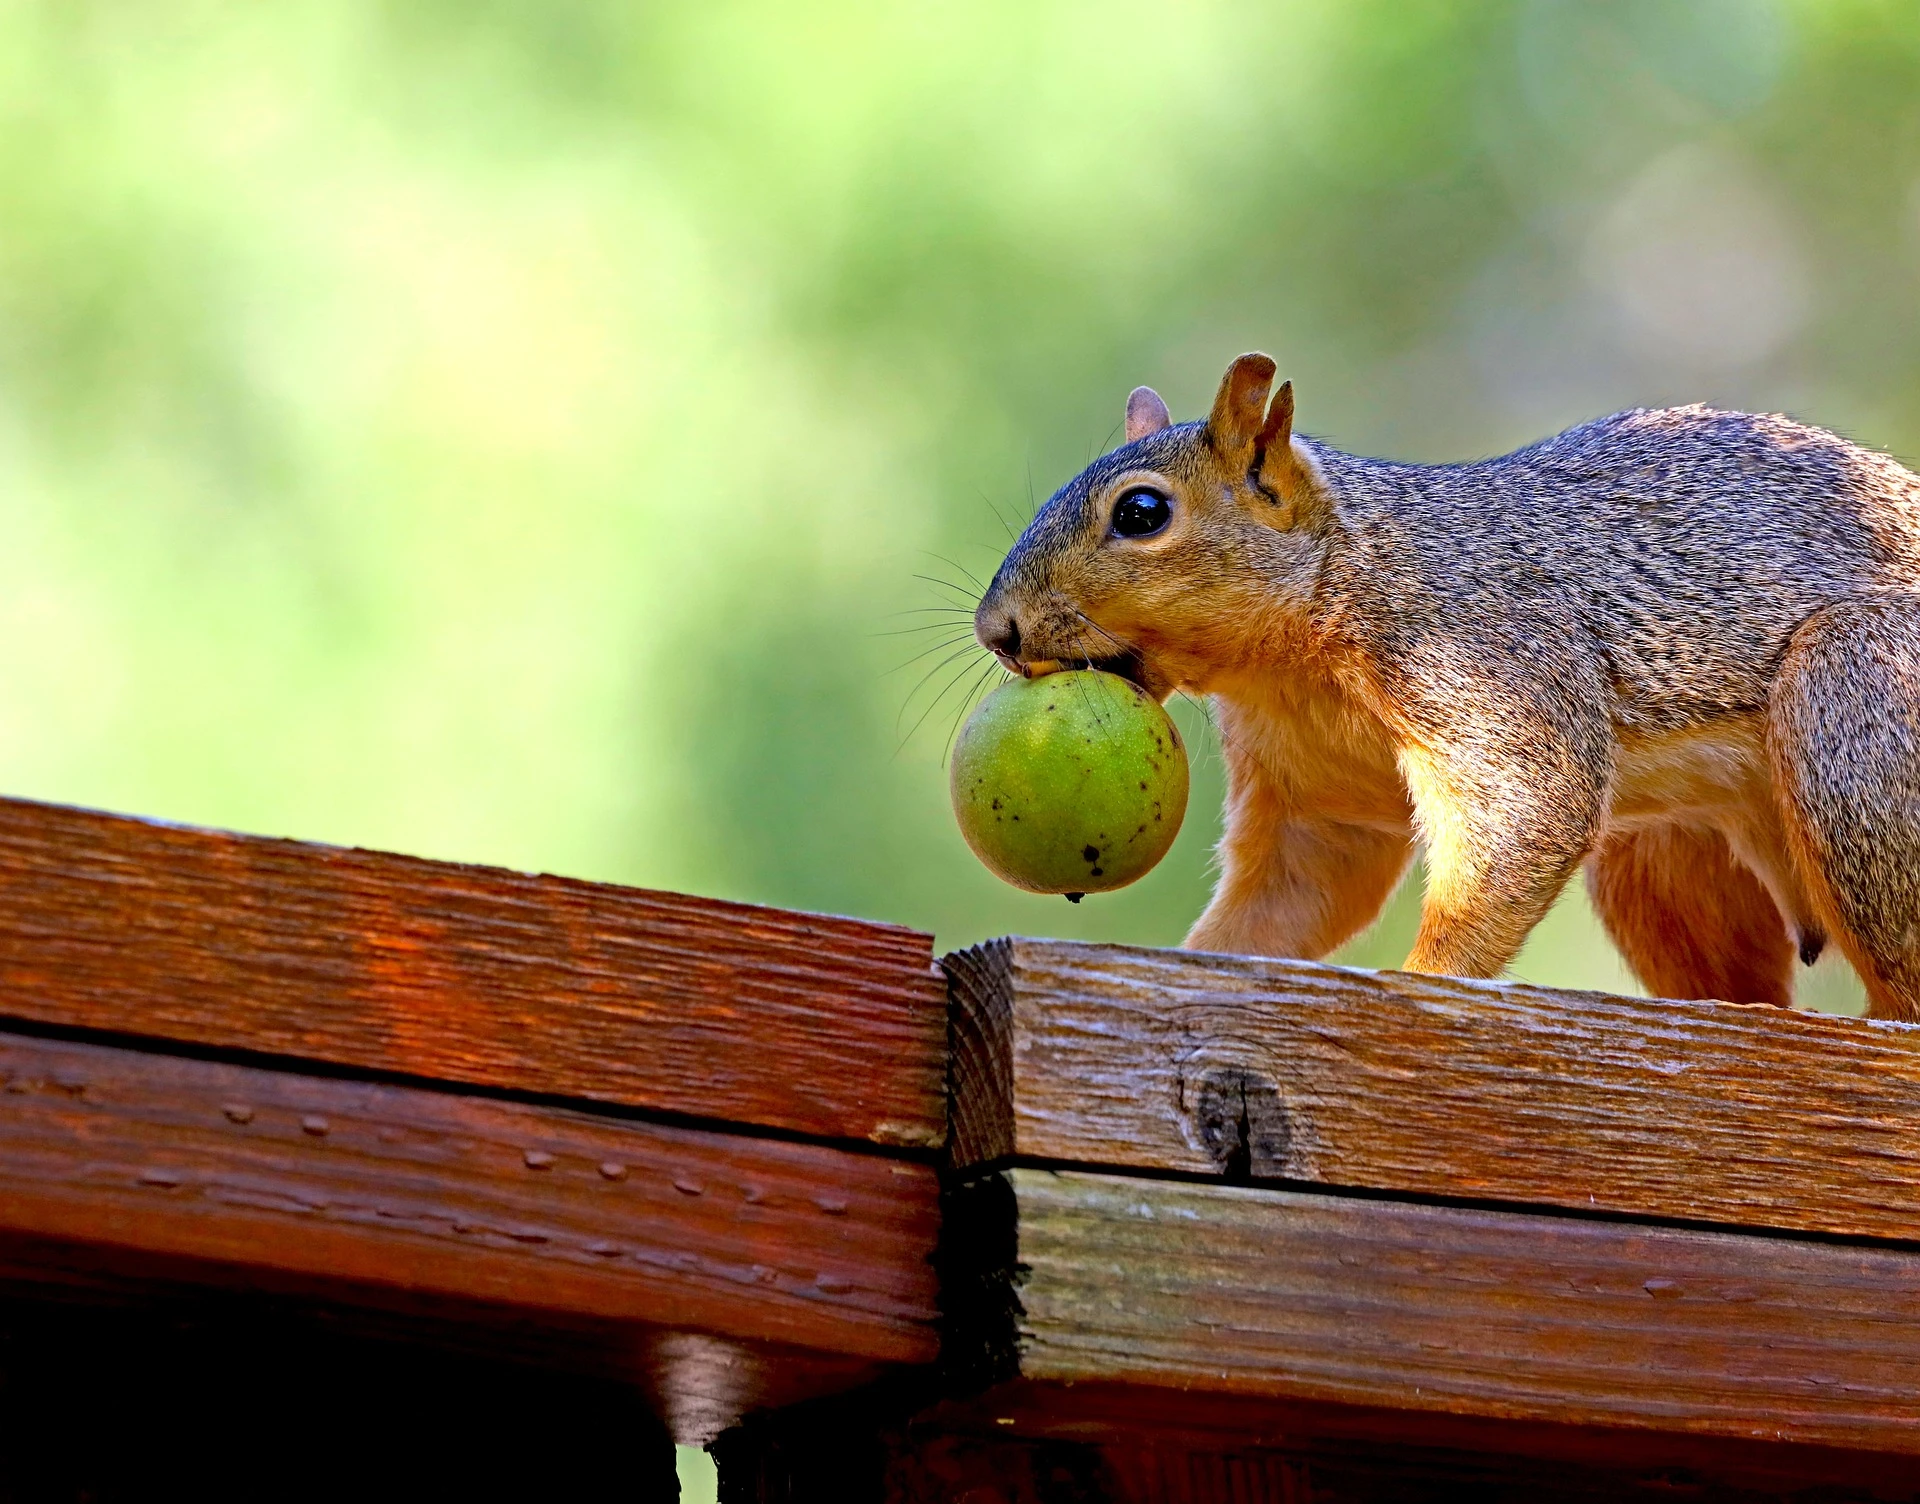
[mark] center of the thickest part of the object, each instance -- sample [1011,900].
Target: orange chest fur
[1321,753]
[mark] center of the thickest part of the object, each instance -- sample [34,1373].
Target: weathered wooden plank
[1233,1440]
[1256,1292]
[1026,1442]
[710,1247]
[831,1027]
[1105,1055]
[696,1382]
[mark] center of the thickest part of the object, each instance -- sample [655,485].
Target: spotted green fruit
[1071,783]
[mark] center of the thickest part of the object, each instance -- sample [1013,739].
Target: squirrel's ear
[1233,427]
[1279,471]
[1277,431]
[1146,413]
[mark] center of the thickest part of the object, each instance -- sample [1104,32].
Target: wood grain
[548,1213]
[1254,1292]
[829,1027]
[1257,1069]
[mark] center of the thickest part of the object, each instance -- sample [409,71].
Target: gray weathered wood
[1257,1292]
[1232,1066]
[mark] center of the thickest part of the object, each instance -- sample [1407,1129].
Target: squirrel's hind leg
[1843,736]
[1691,920]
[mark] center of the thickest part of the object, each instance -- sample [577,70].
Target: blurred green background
[509,431]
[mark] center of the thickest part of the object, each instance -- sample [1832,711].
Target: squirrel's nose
[1003,638]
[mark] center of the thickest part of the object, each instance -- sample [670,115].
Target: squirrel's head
[1166,560]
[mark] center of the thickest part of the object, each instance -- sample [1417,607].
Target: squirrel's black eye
[1141,513]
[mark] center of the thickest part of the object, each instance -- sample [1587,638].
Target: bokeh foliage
[507,430]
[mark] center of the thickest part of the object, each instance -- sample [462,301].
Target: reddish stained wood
[1008,1469]
[1070,1445]
[1268,1294]
[697,1383]
[548,1213]
[1703,1111]
[824,1026]
[1025,1442]
[1415,1446]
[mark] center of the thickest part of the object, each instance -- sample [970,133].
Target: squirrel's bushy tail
[1843,731]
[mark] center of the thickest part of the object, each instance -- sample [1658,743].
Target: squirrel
[1679,648]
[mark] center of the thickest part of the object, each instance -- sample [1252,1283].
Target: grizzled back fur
[1677,549]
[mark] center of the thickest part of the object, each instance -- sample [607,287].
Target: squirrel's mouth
[1134,668]
[1130,666]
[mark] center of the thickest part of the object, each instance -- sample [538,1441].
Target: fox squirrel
[1681,647]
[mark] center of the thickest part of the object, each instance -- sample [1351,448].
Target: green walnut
[1074,782]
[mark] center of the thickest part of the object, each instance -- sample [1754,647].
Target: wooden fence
[398,1177]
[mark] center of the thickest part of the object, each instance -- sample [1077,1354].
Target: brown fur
[1680,647]
[1690,919]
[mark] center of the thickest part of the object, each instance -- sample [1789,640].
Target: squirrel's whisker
[961,622]
[959,590]
[1000,517]
[934,703]
[967,702]
[955,655]
[959,642]
[1124,647]
[928,626]
[956,564]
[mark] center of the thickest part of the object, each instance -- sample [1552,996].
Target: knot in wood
[1237,1118]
